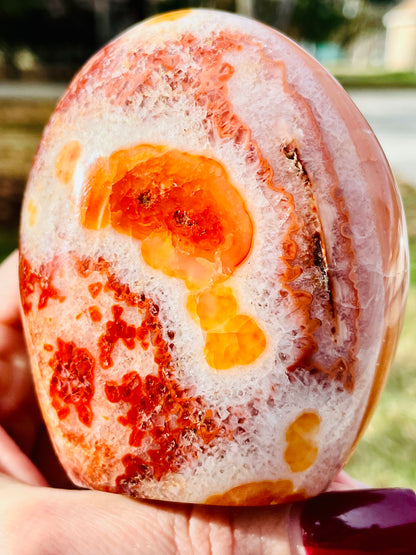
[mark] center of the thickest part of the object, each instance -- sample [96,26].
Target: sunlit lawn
[376,79]
[386,455]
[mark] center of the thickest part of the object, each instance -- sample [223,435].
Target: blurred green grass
[377,79]
[386,455]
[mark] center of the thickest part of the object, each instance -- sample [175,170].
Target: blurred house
[400,51]
[367,51]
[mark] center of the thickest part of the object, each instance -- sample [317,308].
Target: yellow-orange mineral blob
[239,341]
[32,211]
[301,438]
[66,161]
[213,307]
[258,493]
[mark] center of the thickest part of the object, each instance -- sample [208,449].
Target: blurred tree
[316,20]
[388,3]
[285,12]
[245,7]
[319,21]
[364,18]
[308,20]
[66,32]
[58,31]
[10,13]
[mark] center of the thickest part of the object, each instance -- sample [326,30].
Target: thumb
[44,521]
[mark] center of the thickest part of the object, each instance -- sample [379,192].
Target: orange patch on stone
[240,342]
[169,16]
[41,279]
[33,213]
[66,161]
[95,289]
[95,313]
[163,195]
[266,492]
[213,306]
[104,172]
[301,435]
[72,382]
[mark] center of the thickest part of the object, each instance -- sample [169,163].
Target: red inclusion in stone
[169,426]
[177,424]
[95,313]
[115,329]
[188,214]
[95,289]
[72,382]
[30,279]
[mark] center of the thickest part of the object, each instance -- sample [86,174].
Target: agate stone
[213,266]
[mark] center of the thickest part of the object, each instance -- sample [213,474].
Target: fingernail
[358,522]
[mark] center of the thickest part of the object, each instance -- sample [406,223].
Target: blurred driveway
[390,112]
[31,91]
[392,116]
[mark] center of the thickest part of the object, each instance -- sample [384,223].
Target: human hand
[36,518]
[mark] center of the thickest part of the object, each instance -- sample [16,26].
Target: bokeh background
[370,46]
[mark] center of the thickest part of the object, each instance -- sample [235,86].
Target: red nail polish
[358,522]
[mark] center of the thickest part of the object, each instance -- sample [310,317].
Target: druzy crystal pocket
[213,266]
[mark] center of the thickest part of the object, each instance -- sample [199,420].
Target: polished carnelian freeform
[213,267]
